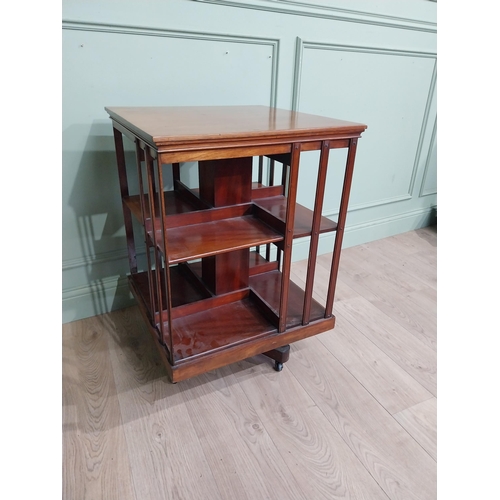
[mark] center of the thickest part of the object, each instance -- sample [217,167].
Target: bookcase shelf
[216,285]
[212,238]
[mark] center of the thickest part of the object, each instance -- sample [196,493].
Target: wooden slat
[124,191]
[344,202]
[287,241]
[316,224]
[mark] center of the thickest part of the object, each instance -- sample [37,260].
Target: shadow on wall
[94,244]
[95,232]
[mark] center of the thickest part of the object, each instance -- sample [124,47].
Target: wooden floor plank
[406,312]
[421,422]
[166,458]
[321,462]
[392,386]
[417,359]
[361,261]
[95,455]
[245,461]
[393,458]
[399,295]
[299,273]
[382,377]
[409,263]
[408,243]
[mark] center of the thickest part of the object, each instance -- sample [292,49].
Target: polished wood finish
[273,212]
[227,271]
[199,127]
[226,182]
[209,294]
[202,240]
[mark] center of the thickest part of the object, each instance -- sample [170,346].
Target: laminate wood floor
[352,415]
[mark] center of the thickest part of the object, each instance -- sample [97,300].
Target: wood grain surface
[170,125]
[420,421]
[351,416]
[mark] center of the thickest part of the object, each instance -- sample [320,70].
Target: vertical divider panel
[316,222]
[344,201]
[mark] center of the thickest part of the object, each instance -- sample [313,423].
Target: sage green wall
[353,60]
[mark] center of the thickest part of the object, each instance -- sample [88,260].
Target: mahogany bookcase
[214,286]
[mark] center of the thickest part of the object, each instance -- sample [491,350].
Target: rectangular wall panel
[389,91]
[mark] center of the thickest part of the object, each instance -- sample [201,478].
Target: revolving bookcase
[215,286]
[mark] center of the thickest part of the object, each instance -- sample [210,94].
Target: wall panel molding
[94,259]
[425,120]
[423,191]
[273,43]
[316,10]
[369,205]
[302,45]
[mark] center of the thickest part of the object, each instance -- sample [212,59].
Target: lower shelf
[242,323]
[212,330]
[211,339]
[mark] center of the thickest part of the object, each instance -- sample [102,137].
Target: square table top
[164,126]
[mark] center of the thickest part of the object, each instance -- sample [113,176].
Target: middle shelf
[195,232]
[211,238]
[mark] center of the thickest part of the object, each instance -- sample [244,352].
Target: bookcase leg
[280,355]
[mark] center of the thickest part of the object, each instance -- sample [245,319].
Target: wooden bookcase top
[165,127]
